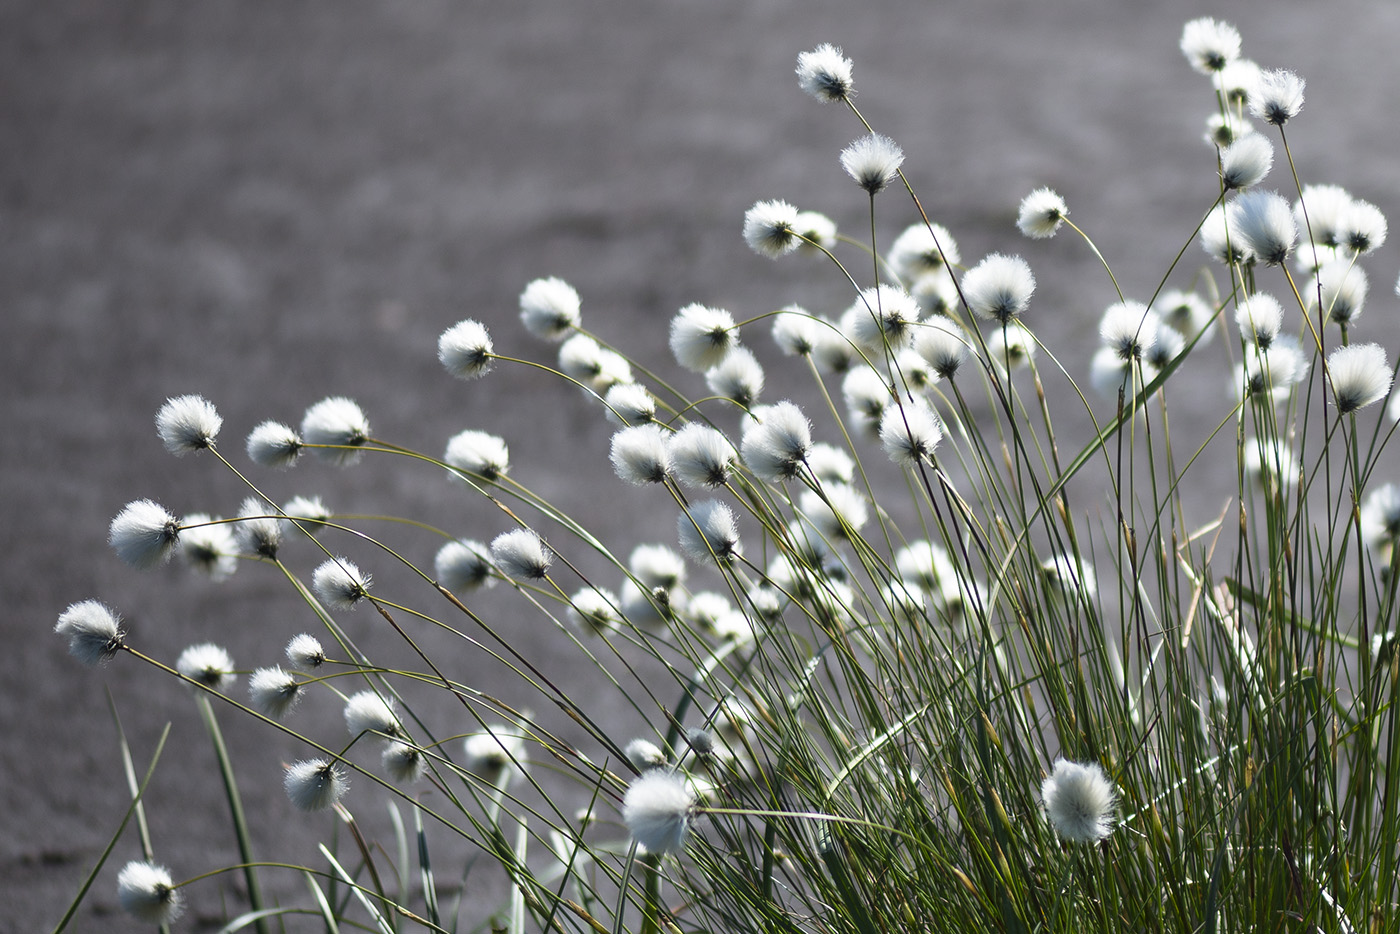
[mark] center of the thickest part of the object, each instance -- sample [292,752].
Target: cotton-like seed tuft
[999,288]
[187,423]
[1359,376]
[825,74]
[521,555]
[1080,801]
[338,423]
[315,784]
[1041,214]
[658,809]
[549,309]
[147,893]
[273,444]
[770,228]
[144,534]
[873,161]
[92,630]
[709,532]
[465,350]
[207,664]
[339,584]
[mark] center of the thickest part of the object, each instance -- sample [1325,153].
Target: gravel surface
[268,203]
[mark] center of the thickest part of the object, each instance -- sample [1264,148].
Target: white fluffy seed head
[910,433]
[630,404]
[701,336]
[187,423]
[497,755]
[1277,97]
[796,331]
[273,691]
[144,534]
[701,456]
[641,455]
[549,309]
[478,452]
[656,566]
[339,584]
[770,228]
[943,345]
[207,664]
[1209,45]
[1342,286]
[1380,517]
[775,448]
[1221,240]
[1260,318]
[147,893]
[464,565]
[304,514]
[208,546]
[873,161]
[1359,375]
[1263,222]
[465,349]
[838,511]
[403,761]
[816,230]
[521,555]
[999,288]
[923,250]
[595,610]
[339,423]
[1080,801]
[93,631]
[1011,345]
[315,784]
[258,530]
[738,378]
[658,809]
[1041,214]
[1245,162]
[368,712]
[708,532]
[1361,228]
[305,653]
[882,316]
[273,444]
[1187,314]
[825,73]
[1129,329]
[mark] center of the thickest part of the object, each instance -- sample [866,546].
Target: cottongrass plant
[891,667]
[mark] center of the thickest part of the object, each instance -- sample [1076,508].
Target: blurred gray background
[266,203]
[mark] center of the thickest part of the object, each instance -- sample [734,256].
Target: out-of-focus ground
[267,203]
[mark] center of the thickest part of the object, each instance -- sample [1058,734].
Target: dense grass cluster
[901,673]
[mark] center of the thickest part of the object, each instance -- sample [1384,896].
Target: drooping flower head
[187,423]
[825,74]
